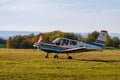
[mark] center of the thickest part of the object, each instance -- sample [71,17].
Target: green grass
[2,45]
[25,64]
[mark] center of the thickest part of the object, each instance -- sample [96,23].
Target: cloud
[46,6]
[18,6]
[4,1]
[59,14]
[28,5]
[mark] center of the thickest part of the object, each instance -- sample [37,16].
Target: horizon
[7,34]
[55,30]
[67,16]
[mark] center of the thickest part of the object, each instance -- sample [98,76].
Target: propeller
[36,45]
[40,38]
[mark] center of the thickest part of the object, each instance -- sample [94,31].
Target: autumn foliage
[27,41]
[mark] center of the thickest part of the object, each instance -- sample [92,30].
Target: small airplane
[65,45]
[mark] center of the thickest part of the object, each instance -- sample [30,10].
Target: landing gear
[69,57]
[56,56]
[47,55]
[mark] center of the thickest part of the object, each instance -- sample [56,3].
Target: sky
[64,15]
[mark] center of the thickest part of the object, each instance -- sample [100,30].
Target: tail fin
[102,37]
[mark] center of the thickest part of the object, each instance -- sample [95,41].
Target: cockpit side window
[57,41]
[73,43]
[65,42]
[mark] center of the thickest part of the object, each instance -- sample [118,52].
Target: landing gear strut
[69,57]
[47,55]
[56,56]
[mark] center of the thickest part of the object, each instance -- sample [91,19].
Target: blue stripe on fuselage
[96,44]
[52,47]
[100,42]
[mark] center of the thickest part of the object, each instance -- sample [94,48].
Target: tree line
[2,42]
[27,41]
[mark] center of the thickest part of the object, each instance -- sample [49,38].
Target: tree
[109,41]
[50,36]
[70,36]
[31,35]
[79,37]
[19,42]
[92,37]
[116,42]
[9,43]
[2,41]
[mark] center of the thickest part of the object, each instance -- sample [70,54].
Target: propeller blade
[41,37]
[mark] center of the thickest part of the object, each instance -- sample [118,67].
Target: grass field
[2,45]
[25,64]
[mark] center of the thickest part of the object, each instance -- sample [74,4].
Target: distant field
[2,45]
[25,64]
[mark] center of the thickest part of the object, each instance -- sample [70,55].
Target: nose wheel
[69,57]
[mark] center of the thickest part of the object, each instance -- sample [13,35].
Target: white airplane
[64,45]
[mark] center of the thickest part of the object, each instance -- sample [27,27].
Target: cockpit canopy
[65,41]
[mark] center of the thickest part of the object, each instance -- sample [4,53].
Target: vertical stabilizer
[102,37]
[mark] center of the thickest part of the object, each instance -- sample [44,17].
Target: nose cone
[35,44]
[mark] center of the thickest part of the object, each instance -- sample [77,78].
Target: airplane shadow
[94,60]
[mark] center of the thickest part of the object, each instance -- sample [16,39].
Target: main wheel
[56,56]
[69,57]
[46,57]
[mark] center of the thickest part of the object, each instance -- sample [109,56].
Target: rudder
[102,37]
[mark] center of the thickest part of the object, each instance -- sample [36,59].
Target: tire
[69,57]
[46,57]
[56,56]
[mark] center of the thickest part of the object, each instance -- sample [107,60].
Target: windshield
[57,41]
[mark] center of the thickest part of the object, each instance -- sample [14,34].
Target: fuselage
[64,45]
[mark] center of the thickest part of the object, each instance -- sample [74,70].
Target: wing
[70,50]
